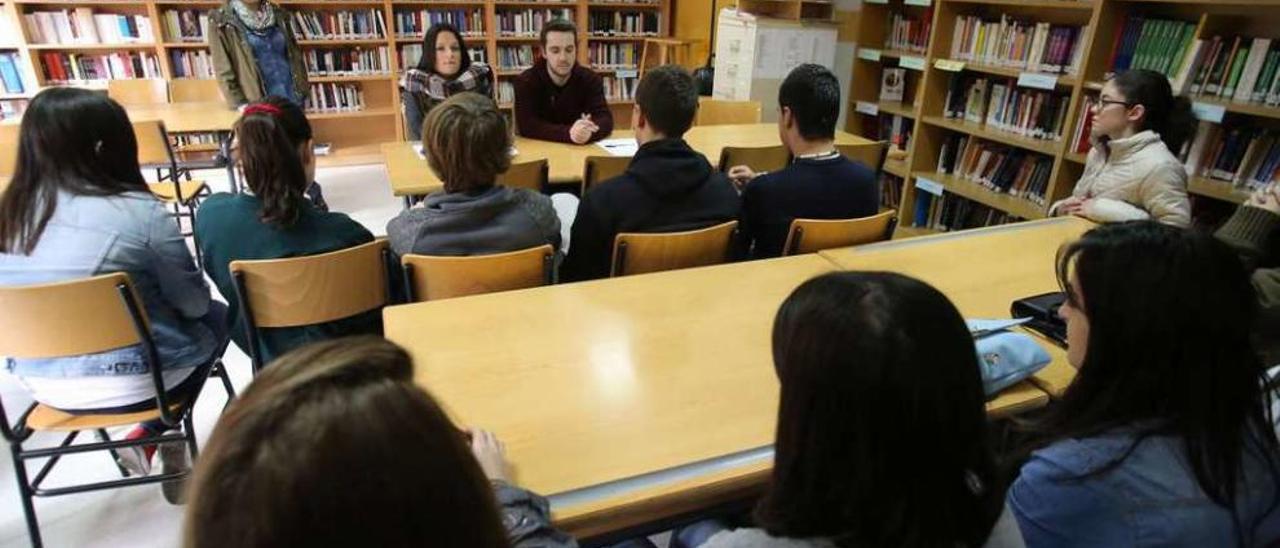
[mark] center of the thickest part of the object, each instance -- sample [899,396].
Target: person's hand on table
[490,453]
[1266,198]
[1071,206]
[583,129]
[741,175]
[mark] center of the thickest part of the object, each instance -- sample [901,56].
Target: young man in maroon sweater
[558,100]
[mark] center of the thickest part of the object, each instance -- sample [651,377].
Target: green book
[1188,36]
[1144,43]
[1259,92]
[1168,41]
[1237,67]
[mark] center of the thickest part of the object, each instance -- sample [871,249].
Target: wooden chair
[78,317]
[637,253]
[8,153]
[717,112]
[141,91]
[871,155]
[310,290]
[662,51]
[532,175]
[190,90]
[813,235]
[156,152]
[598,169]
[431,277]
[759,159]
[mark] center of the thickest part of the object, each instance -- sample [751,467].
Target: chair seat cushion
[47,418]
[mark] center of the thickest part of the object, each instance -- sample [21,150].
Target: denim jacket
[130,233]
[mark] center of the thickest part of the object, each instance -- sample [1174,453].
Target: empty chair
[532,175]
[156,152]
[759,159]
[431,277]
[637,253]
[813,235]
[189,90]
[662,51]
[8,153]
[140,91]
[598,169]
[718,112]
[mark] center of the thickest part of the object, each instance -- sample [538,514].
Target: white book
[62,26]
[1181,82]
[108,29]
[144,29]
[33,28]
[1253,66]
[84,23]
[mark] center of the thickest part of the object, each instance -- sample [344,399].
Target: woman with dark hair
[335,445]
[255,53]
[444,69]
[1133,172]
[274,220]
[1164,438]
[295,124]
[882,437]
[77,206]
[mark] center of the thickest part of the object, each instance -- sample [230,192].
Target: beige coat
[1132,179]
[233,61]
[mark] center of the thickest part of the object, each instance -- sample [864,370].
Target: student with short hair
[444,69]
[882,428]
[335,445]
[557,99]
[466,142]
[1164,437]
[274,220]
[668,187]
[820,183]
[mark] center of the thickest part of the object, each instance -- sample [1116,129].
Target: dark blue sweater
[832,188]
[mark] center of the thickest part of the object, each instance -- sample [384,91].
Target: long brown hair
[71,140]
[333,445]
[269,158]
[466,142]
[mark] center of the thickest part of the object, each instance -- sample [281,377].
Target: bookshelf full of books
[15,80]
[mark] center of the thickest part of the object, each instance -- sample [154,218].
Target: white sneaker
[134,460]
[174,459]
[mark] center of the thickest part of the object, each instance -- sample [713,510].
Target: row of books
[408,55]
[1082,139]
[998,167]
[1244,157]
[1001,105]
[506,92]
[191,63]
[11,74]
[85,26]
[1236,69]
[335,97]
[624,23]
[413,23]
[185,25]
[907,32]
[1025,45]
[890,191]
[338,25]
[618,55]
[896,130]
[950,212]
[527,22]
[78,67]
[184,140]
[620,89]
[1153,44]
[515,57]
[347,61]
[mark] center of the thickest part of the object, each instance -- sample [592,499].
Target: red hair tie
[263,108]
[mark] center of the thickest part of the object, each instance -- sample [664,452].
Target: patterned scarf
[475,78]
[261,19]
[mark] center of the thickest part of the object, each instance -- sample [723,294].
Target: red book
[1115,42]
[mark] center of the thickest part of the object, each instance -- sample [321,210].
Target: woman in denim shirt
[77,207]
[1164,437]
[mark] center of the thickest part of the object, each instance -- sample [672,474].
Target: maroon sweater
[546,111]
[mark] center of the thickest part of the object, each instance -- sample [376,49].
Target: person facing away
[444,69]
[466,141]
[557,99]
[668,187]
[882,437]
[1132,173]
[820,183]
[1164,437]
[274,220]
[77,206]
[255,53]
[278,468]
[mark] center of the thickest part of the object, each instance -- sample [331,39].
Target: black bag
[1043,311]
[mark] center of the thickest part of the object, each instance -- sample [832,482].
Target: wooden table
[212,117]
[410,175]
[625,400]
[983,271]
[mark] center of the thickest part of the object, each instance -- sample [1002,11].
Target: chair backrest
[597,169]
[141,91]
[431,277]
[870,154]
[191,90]
[531,175]
[717,112]
[759,159]
[637,253]
[8,152]
[813,235]
[70,318]
[153,143]
[313,289]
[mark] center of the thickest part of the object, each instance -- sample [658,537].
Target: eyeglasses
[1104,103]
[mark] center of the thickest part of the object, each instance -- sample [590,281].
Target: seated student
[557,99]
[1250,231]
[444,69]
[273,221]
[1163,437]
[1133,172]
[278,468]
[882,437]
[668,187]
[466,142]
[77,206]
[820,183]
[298,128]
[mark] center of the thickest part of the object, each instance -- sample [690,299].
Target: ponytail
[271,166]
[1168,115]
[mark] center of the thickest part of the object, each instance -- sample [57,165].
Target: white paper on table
[619,147]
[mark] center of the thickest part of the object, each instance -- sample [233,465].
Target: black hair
[427,63]
[882,429]
[668,99]
[71,140]
[813,95]
[272,167]
[557,25]
[291,119]
[1168,115]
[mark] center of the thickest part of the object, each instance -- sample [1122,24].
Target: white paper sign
[928,185]
[1038,80]
[875,1]
[625,146]
[867,108]
[869,54]
[628,73]
[911,62]
[948,65]
[1208,112]
[925,3]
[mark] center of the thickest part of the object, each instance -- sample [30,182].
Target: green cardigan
[228,229]
[1252,232]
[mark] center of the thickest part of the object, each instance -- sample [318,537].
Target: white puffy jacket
[1134,178]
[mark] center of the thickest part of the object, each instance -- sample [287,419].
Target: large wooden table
[634,399]
[207,117]
[410,175]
